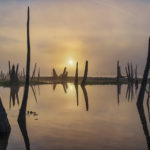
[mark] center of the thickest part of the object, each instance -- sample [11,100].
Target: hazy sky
[101,31]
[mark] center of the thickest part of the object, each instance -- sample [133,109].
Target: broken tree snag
[54,74]
[118,71]
[39,75]
[132,73]
[33,74]
[4,123]
[144,80]
[64,73]
[136,78]
[22,113]
[26,89]
[85,74]
[76,75]
[9,66]
[127,73]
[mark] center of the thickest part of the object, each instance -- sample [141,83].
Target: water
[57,122]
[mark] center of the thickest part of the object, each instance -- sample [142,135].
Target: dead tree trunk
[118,71]
[4,123]
[76,75]
[144,80]
[136,78]
[26,89]
[13,73]
[22,113]
[39,75]
[85,74]
[64,73]
[33,74]
[55,76]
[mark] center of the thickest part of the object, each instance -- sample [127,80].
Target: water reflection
[85,97]
[14,89]
[4,141]
[130,92]
[144,124]
[77,93]
[118,92]
[66,107]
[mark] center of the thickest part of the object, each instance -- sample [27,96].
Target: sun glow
[70,62]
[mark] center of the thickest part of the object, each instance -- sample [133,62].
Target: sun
[70,62]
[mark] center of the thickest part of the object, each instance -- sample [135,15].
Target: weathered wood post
[144,80]
[76,75]
[85,74]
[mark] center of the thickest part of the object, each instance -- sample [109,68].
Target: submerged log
[4,123]
[144,80]
[85,74]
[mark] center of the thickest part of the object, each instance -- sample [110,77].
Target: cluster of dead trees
[62,76]
[131,73]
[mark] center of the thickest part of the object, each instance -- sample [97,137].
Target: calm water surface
[56,120]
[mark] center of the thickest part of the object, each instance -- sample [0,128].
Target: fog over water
[101,31]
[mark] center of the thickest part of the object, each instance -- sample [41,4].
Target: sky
[100,31]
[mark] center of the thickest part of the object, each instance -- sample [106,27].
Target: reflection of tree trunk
[130,91]
[77,94]
[118,92]
[34,93]
[22,113]
[85,97]
[144,124]
[4,123]
[22,125]
[4,141]
[14,89]
[64,87]
[54,86]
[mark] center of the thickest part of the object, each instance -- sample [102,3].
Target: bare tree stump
[85,74]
